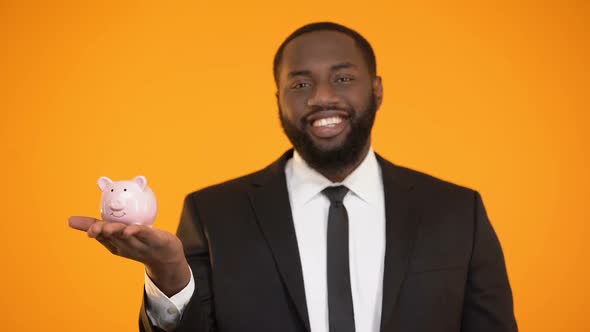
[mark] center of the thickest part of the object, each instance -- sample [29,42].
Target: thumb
[81,223]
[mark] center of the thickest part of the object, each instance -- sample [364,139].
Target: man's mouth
[328,124]
[118,216]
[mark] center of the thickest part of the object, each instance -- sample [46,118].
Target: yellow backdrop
[492,95]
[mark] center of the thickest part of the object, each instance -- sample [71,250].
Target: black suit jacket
[444,267]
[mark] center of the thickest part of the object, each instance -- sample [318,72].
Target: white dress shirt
[366,216]
[165,312]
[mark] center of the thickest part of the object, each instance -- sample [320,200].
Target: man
[330,237]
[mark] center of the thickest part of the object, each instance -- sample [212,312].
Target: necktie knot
[335,194]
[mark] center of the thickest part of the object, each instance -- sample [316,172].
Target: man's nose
[323,95]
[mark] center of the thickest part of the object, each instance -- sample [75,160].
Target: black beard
[347,155]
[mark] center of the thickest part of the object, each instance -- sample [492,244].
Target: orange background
[492,95]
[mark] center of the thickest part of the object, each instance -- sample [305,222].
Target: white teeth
[327,122]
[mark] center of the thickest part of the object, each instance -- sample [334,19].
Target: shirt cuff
[163,311]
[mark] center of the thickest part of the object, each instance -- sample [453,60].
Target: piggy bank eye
[124,189]
[112,190]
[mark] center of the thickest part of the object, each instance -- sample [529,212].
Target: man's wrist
[171,277]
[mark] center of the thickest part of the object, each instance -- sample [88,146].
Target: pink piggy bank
[128,202]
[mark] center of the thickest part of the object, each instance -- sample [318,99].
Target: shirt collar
[305,182]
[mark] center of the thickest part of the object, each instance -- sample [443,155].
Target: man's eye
[344,79]
[300,85]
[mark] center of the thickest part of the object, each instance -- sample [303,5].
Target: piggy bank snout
[116,205]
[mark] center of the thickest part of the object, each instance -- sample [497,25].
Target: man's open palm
[160,251]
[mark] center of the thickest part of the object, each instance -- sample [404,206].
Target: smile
[327,122]
[118,216]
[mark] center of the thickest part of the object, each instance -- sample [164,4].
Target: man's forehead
[321,48]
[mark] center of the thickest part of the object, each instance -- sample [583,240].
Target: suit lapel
[401,225]
[270,200]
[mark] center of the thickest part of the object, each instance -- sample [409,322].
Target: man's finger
[131,248]
[112,229]
[96,228]
[131,240]
[108,244]
[81,223]
[145,234]
[131,230]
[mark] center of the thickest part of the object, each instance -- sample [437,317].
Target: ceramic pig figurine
[128,201]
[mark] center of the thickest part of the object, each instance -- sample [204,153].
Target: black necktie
[340,310]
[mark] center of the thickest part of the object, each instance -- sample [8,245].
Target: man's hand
[160,251]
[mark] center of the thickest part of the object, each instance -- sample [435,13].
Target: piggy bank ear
[103,182]
[141,181]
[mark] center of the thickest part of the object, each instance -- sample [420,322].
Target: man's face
[327,99]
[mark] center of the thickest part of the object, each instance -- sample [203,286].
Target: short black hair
[360,41]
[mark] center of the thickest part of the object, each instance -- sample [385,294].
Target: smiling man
[329,238]
[328,94]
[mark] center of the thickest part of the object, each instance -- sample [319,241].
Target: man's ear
[277,99]
[378,90]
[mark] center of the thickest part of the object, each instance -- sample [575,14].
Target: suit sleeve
[488,302]
[198,316]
